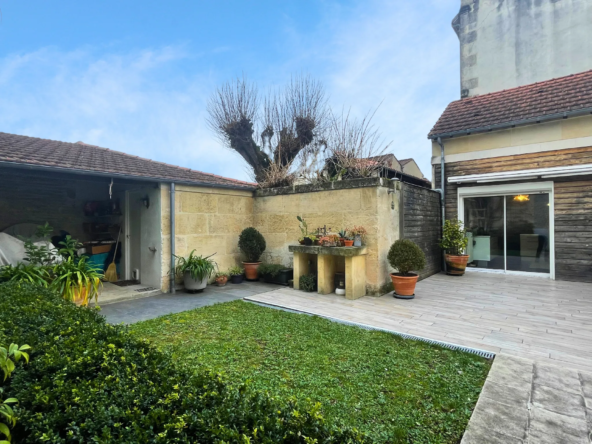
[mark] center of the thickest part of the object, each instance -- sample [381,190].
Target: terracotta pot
[404,285]
[348,243]
[221,281]
[251,272]
[456,265]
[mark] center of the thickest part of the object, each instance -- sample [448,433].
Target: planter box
[281,278]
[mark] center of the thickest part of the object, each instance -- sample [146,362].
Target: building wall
[337,205]
[551,136]
[509,43]
[572,203]
[422,223]
[412,169]
[208,220]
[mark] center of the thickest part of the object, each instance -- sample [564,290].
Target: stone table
[355,267]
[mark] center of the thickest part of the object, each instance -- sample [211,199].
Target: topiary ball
[405,255]
[252,244]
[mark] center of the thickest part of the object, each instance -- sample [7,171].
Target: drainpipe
[442,192]
[172,273]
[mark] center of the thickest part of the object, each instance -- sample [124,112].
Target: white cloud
[134,102]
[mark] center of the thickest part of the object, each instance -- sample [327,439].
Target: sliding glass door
[510,232]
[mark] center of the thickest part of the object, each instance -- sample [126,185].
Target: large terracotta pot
[404,285]
[456,265]
[251,272]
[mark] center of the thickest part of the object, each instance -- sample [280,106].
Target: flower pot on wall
[192,284]
[348,243]
[357,240]
[456,265]
[251,270]
[404,285]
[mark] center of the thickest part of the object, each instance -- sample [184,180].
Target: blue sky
[135,76]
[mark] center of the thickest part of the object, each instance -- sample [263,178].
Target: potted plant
[358,233]
[342,236]
[310,239]
[330,240]
[236,275]
[221,278]
[275,273]
[308,282]
[303,230]
[77,280]
[405,256]
[196,270]
[252,244]
[454,241]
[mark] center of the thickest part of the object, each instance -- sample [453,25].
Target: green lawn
[396,390]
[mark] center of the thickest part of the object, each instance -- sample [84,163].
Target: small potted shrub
[359,235]
[330,240]
[405,256]
[196,270]
[221,278]
[236,275]
[342,236]
[310,239]
[252,244]
[308,282]
[77,280]
[275,273]
[303,230]
[454,241]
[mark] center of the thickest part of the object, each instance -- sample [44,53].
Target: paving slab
[550,427]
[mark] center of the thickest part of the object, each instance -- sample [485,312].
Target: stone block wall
[337,205]
[208,220]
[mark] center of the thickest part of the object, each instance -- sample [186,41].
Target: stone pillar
[355,277]
[300,268]
[326,273]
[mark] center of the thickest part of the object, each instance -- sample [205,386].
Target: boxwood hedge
[90,382]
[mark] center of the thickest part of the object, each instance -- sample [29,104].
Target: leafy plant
[8,357]
[343,233]
[69,247]
[221,274]
[454,238]
[308,282]
[199,267]
[303,226]
[76,279]
[270,269]
[236,271]
[252,244]
[21,272]
[405,255]
[123,390]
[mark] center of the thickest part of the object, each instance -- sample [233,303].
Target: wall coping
[326,186]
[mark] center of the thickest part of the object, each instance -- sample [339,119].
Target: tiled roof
[91,158]
[556,96]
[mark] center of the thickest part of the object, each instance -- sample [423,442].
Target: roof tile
[81,156]
[570,93]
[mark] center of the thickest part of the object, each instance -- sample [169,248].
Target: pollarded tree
[271,135]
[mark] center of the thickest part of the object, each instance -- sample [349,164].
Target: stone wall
[208,220]
[337,205]
[422,223]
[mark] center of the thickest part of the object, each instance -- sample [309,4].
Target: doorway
[509,227]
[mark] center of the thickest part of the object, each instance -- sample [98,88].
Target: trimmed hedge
[91,382]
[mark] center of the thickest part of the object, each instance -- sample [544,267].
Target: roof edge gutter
[512,124]
[123,176]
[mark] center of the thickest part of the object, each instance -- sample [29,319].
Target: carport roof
[79,157]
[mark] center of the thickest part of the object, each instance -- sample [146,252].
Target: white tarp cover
[12,250]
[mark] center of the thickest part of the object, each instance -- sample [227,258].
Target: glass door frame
[510,190]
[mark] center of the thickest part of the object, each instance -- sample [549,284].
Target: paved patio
[539,389]
[141,309]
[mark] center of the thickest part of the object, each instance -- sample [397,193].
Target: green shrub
[252,244]
[308,282]
[270,269]
[454,238]
[90,382]
[405,256]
